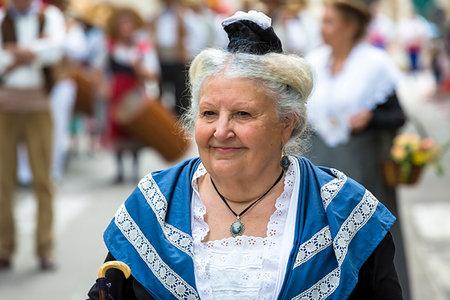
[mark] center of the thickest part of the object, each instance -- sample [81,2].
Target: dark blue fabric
[178,212]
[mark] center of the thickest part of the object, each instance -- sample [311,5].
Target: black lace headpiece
[247,36]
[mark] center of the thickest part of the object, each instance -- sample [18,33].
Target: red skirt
[121,84]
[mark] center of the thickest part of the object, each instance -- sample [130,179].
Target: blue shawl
[339,224]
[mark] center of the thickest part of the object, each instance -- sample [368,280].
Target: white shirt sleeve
[75,43]
[150,60]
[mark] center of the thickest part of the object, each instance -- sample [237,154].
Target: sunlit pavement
[86,201]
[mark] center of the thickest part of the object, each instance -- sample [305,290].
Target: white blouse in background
[368,77]
[245,267]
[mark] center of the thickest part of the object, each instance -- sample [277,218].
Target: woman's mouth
[226,149]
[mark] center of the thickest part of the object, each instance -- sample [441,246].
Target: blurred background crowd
[120,69]
[113,48]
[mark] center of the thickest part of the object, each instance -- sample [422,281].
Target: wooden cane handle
[114,265]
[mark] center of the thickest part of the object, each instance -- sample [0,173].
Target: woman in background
[132,61]
[354,111]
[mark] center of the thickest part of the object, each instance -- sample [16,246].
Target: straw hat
[294,6]
[90,12]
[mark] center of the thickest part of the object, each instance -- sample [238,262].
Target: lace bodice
[244,266]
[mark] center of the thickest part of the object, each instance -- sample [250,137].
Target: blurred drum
[152,124]
[84,99]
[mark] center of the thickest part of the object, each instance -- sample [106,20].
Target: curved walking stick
[101,280]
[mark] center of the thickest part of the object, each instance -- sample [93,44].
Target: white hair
[287,78]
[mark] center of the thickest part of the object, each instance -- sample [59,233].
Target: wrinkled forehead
[231,80]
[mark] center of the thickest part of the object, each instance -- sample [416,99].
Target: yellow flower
[420,158]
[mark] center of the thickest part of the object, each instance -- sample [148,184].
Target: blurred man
[31,39]
[169,31]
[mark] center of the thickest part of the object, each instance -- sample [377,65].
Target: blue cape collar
[339,224]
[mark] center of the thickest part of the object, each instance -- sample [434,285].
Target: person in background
[221,10]
[86,21]
[301,31]
[169,32]
[31,40]
[381,30]
[354,111]
[298,30]
[62,95]
[249,219]
[413,32]
[132,62]
[84,51]
[199,23]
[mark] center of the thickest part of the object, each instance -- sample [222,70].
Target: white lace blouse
[245,267]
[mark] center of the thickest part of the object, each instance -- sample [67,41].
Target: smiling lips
[226,149]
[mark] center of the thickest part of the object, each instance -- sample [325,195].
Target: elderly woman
[246,220]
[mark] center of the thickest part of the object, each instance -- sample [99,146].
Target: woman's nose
[224,128]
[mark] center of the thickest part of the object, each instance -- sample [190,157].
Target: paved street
[425,207]
[86,202]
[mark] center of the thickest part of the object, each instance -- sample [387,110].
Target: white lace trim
[171,280]
[331,189]
[356,220]
[320,241]
[158,203]
[323,288]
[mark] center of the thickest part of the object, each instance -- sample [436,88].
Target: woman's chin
[225,168]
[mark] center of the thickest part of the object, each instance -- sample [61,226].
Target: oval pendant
[237,228]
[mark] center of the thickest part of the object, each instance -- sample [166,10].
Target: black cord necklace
[237,228]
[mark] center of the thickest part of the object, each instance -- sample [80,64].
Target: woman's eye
[243,114]
[208,113]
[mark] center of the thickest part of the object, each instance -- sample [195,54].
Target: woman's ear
[288,126]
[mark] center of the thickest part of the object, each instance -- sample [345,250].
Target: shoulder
[52,11]
[55,17]
[143,43]
[373,57]
[177,177]
[188,165]
[322,175]
[335,189]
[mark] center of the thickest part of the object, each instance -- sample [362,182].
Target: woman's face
[126,27]
[238,131]
[334,29]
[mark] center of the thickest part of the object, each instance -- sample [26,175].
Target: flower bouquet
[409,155]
